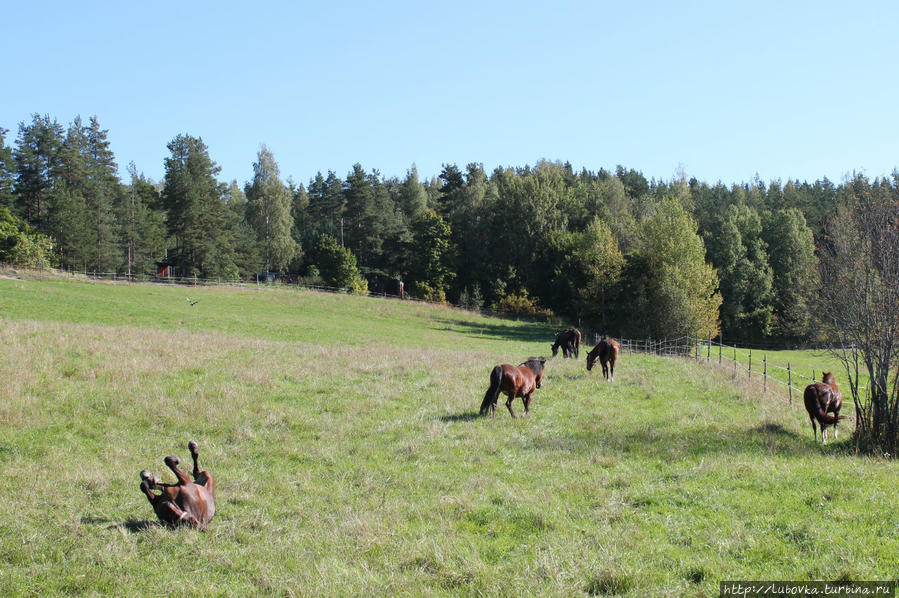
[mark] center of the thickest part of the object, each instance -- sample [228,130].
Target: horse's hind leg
[203,478]
[172,463]
[509,406]
[194,453]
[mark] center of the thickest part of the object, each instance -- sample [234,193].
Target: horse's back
[816,395]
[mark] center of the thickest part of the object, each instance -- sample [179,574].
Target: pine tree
[101,190]
[202,227]
[795,272]
[7,172]
[142,222]
[37,157]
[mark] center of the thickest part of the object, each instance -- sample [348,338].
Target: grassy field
[349,460]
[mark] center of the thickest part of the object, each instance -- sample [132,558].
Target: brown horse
[607,352]
[514,381]
[185,503]
[570,341]
[822,398]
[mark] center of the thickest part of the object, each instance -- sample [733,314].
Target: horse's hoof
[192,447]
[172,460]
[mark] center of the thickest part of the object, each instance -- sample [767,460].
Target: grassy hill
[349,460]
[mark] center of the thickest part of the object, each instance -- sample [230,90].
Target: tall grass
[349,460]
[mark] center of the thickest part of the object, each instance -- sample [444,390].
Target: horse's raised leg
[200,477]
[172,463]
[194,453]
[148,482]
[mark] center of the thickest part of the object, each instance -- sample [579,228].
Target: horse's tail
[492,394]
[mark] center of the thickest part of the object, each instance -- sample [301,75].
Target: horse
[514,381]
[607,352]
[822,398]
[570,341]
[190,503]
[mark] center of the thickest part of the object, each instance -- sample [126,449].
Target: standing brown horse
[514,381]
[570,341]
[185,503]
[822,398]
[607,352]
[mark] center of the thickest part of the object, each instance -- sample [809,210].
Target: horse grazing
[822,398]
[185,503]
[514,381]
[570,341]
[607,352]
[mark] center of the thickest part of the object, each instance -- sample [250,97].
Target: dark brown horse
[822,398]
[607,353]
[188,502]
[514,381]
[570,341]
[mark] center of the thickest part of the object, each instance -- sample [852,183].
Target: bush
[22,245]
[521,305]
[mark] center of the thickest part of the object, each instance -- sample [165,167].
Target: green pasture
[350,461]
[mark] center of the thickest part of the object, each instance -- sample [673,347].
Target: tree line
[608,250]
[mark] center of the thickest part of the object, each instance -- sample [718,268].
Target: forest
[609,251]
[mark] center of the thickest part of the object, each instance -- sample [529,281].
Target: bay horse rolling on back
[190,503]
[822,398]
[570,341]
[607,353]
[514,381]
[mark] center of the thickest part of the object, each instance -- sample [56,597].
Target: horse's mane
[534,364]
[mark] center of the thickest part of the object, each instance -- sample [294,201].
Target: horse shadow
[460,417]
[135,526]
[132,526]
[769,436]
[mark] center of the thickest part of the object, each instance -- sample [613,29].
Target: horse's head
[827,378]
[536,365]
[555,348]
[591,359]
[538,370]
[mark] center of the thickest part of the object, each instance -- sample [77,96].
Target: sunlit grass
[349,459]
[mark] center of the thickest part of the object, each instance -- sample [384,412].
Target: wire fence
[752,364]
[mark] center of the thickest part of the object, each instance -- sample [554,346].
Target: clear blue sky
[725,90]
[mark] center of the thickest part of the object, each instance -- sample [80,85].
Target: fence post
[790,382]
[766,371]
[697,349]
[708,354]
[735,361]
[719,353]
[749,375]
